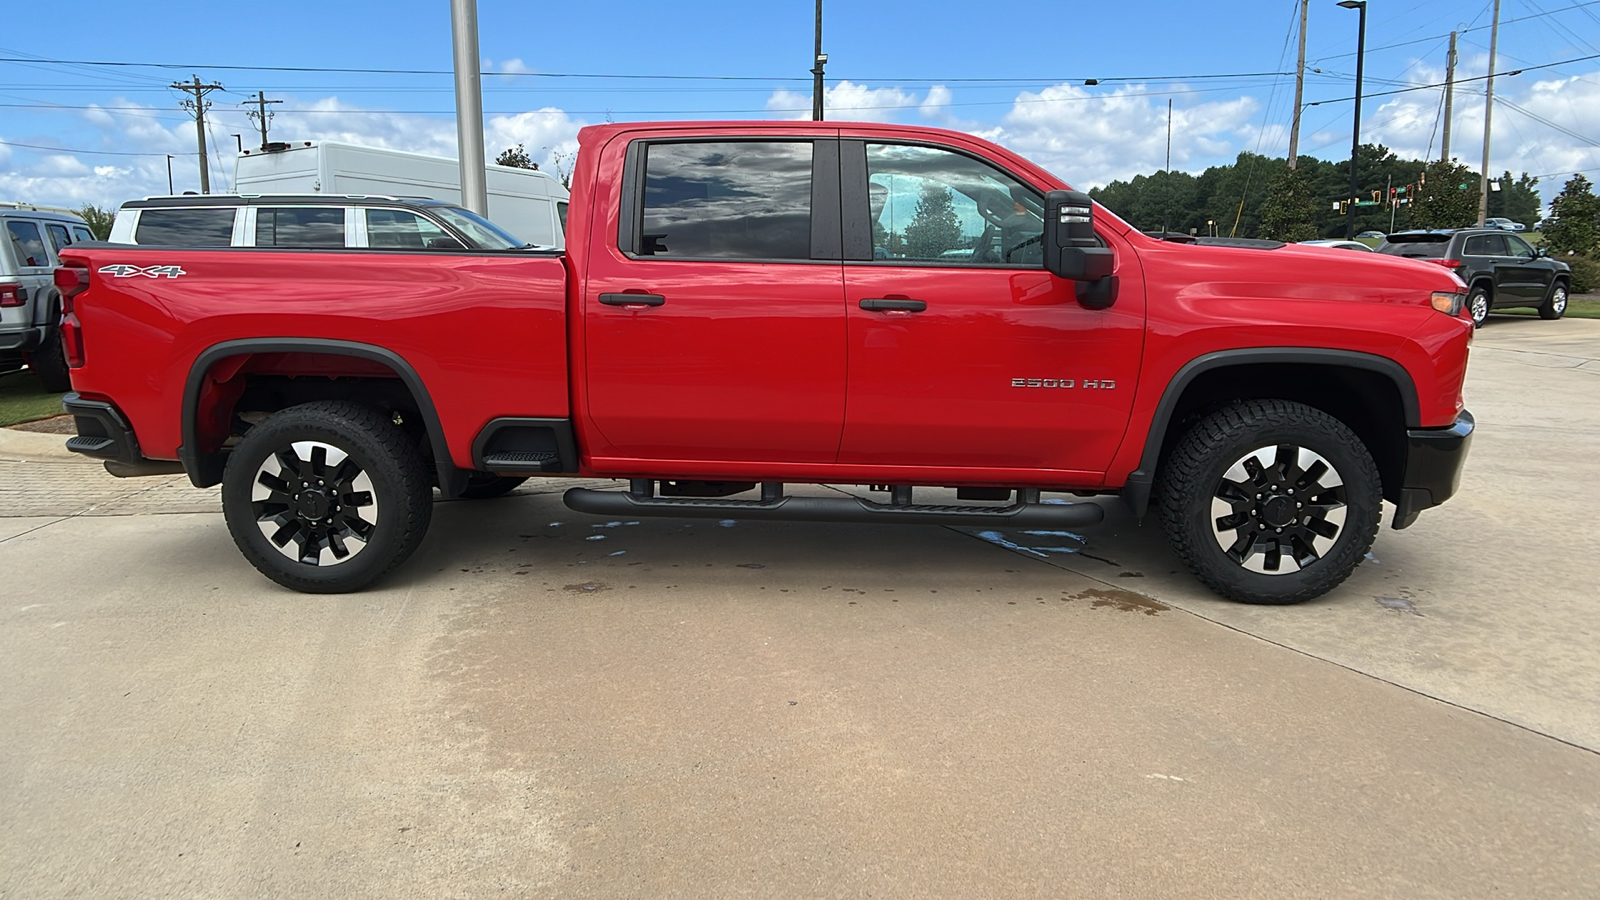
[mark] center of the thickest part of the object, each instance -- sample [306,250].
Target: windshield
[481,231]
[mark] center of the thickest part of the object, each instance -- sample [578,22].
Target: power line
[1436,37]
[630,76]
[1426,87]
[95,152]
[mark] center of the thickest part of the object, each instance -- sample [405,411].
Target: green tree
[1290,211]
[1447,196]
[934,227]
[515,157]
[1516,200]
[1574,223]
[99,220]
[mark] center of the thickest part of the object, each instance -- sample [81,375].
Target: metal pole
[1488,116]
[1449,95]
[1359,6]
[818,60]
[469,106]
[1166,174]
[169,174]
[1299,88]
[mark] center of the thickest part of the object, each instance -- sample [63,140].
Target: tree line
[1260,196]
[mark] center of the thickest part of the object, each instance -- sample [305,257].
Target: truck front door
[964,352]
[713,311]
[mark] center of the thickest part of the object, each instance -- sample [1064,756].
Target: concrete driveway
[549,704]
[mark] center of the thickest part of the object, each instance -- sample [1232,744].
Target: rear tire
[326,497]
[1478,302]
[1555,305]
[49,362]
[1268,501]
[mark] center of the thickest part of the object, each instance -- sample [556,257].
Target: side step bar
[831,509]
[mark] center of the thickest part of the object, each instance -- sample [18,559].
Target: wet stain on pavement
[1398,604]
[588,587]
[1123,601]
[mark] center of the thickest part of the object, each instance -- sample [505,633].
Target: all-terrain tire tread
[1183,474]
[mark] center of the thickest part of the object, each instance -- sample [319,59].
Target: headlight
[1448,303]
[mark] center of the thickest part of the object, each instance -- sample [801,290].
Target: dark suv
[1501,269]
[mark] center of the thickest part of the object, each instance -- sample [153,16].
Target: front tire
[326,497]
[1555,305]
[1478,302]
[1268,501]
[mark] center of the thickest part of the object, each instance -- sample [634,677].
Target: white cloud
[1090,139]
[848,101]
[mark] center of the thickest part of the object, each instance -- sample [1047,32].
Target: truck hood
[1266,270]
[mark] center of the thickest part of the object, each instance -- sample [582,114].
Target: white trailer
[526,202]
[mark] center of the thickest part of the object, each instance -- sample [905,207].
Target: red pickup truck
[746,305]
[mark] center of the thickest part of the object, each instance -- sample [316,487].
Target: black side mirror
[1071,250]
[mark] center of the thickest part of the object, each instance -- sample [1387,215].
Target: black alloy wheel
[326,497]
[1270,501]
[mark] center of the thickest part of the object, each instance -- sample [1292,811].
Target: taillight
[71,281]
[1447,263]
[13,295]
[1448,302]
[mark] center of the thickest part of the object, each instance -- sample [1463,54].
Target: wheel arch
[204,467]
[1374,395]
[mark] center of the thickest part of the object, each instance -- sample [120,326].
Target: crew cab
[746,305]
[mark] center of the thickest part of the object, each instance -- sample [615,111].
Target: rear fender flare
[205,469]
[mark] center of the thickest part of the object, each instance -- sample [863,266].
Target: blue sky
[73,132]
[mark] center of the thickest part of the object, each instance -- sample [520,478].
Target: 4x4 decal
[125,271]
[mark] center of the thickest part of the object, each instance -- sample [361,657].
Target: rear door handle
[632,299]
[882,304]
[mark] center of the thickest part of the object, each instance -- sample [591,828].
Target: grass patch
[23,400]
[1587,307]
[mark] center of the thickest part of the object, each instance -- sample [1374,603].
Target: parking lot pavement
[548,703]
[1487,601]
[673,709]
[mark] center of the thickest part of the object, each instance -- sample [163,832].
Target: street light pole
[469,106]
[818,60]
[1355,133]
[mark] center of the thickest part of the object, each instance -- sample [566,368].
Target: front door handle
[632,299]
[882,305]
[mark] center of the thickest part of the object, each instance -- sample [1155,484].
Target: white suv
[30,308]
[302,221]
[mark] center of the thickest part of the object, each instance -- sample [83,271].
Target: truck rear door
[713,304]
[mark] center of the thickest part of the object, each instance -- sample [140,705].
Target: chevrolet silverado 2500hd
[742,306]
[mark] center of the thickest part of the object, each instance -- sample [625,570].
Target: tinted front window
[308,226]
[1518,247]
[208,227]
[484,233]
[82,234]
[26,244]
[937,205]
[729,200]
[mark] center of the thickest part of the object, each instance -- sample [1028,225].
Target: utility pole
[1166,174]
[1299,88]
[469,106]
[819,59]
[260,114]
[1488,116]
[1449,94]
[198,106]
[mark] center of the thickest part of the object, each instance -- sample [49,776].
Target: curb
[25,446]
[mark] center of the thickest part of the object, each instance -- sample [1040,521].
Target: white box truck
[526,202]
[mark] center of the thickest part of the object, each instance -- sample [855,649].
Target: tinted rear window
[732,200]
[1416,246]
[209,227]
[312,226]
